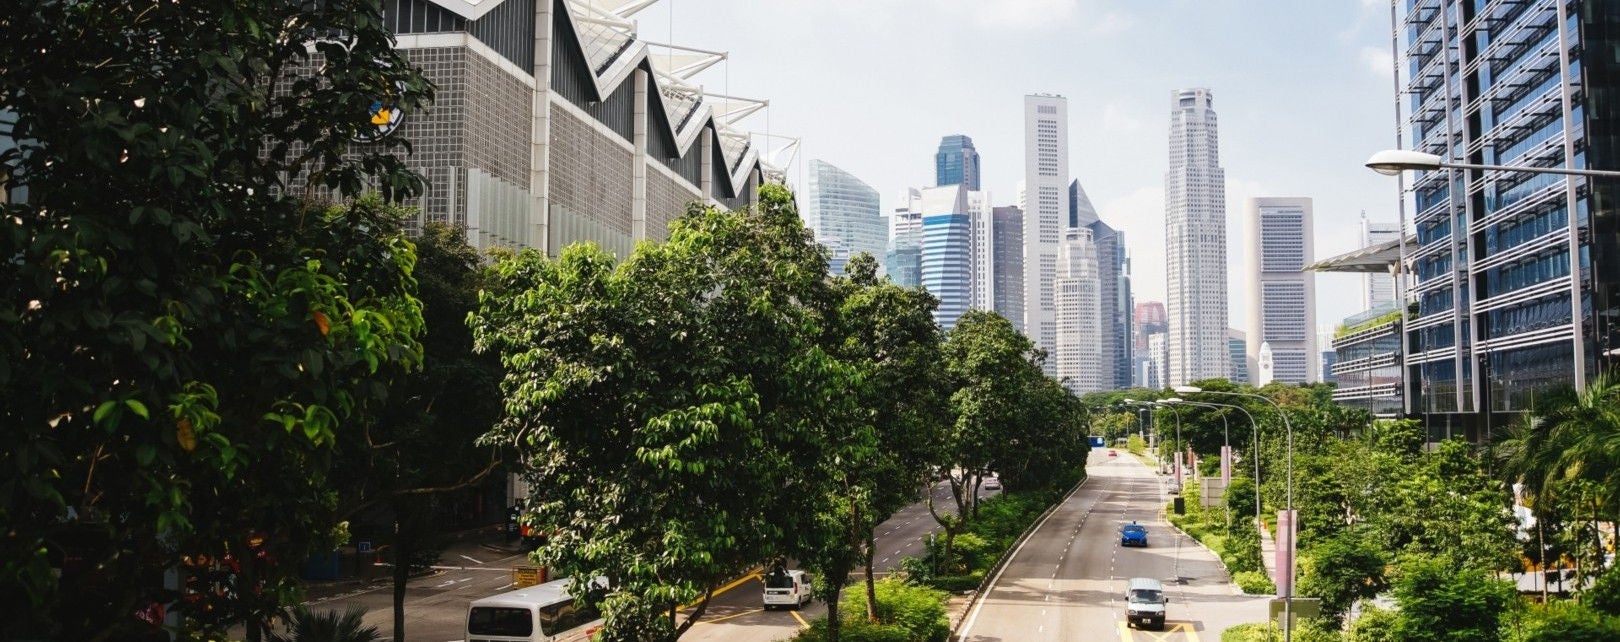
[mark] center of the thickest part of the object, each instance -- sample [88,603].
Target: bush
[1254,583]
[1604,596]
[1251,632]
[1135,445]
[958,583]
[1564,621]
[906,613]
[1374,625]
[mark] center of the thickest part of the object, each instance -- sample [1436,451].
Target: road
[1067,581]
[436,605]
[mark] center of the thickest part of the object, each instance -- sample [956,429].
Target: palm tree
[305,625]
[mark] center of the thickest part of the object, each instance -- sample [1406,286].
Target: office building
[947,254]
[1114,278]
[1149,322]
[957,162]
[1007,263]
[1045,204]
[1377,289]
[1195,242]
[1237,349]
[904,257]
[843,212]
[1079,354]
[982,250]
[1504,315]
[1281,312]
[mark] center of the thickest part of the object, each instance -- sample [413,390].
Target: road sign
[526,576]
[364,546]
[1302,607]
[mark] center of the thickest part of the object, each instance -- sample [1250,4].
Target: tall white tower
[1046,207]
[1377,288]
[1281,312]
[1079,354]
[1195,243]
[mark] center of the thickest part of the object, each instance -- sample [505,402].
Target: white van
[1144,603]
[541,613]
[786,588]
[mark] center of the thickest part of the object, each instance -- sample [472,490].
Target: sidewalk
[1268,552]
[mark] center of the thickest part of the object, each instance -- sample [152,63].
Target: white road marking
[470,559]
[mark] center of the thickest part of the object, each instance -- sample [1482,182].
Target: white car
[992,484]
[786,588]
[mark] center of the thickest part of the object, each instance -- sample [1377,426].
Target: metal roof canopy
[1375,258]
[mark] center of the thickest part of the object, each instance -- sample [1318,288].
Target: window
[509,622]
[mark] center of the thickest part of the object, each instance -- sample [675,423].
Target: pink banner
[1226,466]
[1287,528]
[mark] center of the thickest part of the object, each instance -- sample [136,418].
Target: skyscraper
[1195,242]
[1504,314]
[1007,263]
[947,251]
[844,214]
[1045,204]
[904,258]
[1079,351]
[957,162]
[1149,343]
[1377,288]
[981,226]
[1282,307]
[1114,282]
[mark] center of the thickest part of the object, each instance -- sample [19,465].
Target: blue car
[1133,534]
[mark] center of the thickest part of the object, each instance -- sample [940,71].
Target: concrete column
[638,161]
[706,164]
[540,131]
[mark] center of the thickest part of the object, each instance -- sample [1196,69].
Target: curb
[994,573]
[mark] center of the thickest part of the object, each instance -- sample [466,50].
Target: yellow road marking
[752,575]
[722,619]
[1126,633]
[800,618]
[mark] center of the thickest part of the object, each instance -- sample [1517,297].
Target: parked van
[1144,603]
[786,588]
[541,613]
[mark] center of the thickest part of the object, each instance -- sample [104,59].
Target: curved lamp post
[1254,429]
[1288,590]
[1170,403]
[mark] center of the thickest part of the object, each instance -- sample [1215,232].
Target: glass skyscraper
[957,162]
[844,214]
[946,269]
[1517,273]
[1115,304]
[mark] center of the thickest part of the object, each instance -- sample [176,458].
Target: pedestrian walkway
[1268,552]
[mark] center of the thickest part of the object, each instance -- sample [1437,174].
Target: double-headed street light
[1288,589]
[1170,403]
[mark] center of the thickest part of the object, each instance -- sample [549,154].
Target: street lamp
[1254,430]
[1170,403]
[1392,162]
[1288,591]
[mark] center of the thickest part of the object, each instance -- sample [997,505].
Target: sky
[1302,90]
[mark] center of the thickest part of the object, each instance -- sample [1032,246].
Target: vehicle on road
[541,613]
[1113,453]
[992,484]
[1133,534]
[1144,603]
[786,588]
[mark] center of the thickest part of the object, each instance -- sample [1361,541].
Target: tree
[182,339]
[1341,570]
[306,625]
[1440,602]
[669,410]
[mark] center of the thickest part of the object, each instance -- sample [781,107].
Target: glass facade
[843,212]
[1511,266]
[945,265]
[957,163]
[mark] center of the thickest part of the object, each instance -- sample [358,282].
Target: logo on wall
[385,115]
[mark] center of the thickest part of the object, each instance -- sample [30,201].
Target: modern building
[1007,263]
[957,162]
[1045,205]
[1367,361]
[981,226]
[904,257]
[1282,309]
[1150,323]
[556,123]
[1195,242]
[1158,352]
[1080,341]
[1517,273]
[1238,350]
[1114,277]
[947,254]
[844,214]
[1377,289]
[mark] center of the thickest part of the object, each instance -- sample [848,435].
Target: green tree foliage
[1444,506]
[307,625]
[180,337]
[1442,603]
[1341,570]
[670,410]
[1565,621]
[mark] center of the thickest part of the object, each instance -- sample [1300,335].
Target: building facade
[1515,271]
[1149,322]
[1282,308]
[555,123]
[1079,354]
[1045,205]
[947,255]
[844,214]
[904,257]
[1007,262]
[1195,242]
[1238,350]
[1377,289]
[1114,278]
[957,162]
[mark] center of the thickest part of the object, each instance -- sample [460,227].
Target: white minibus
[541,613]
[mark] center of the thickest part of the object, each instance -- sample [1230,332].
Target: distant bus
[541,613]
[1098,441]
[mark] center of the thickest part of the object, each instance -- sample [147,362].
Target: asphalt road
[436,605]
[1067,581]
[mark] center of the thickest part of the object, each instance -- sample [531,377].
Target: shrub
[1604,596]
[1250,632]
[1135,445]
[958,583]
[1254,582]
[1374,625]
[1564,621]
[906,613]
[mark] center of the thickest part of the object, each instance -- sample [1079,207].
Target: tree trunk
[834,623]
[404,545]
[871,585]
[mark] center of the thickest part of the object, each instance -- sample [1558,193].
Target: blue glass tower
[946,269]
[957,163]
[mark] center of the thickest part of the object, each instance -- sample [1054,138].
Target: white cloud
[1118,117]
[1016,14]
[1140,216]
[1377,60]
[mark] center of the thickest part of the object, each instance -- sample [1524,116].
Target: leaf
[145,454]
[138,408]
[184,434]
[321,322]
[103,410]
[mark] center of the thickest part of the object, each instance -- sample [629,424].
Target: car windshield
[1134,528]
[1146,595]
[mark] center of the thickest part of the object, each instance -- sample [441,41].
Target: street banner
[1226,466]
[1287,528]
